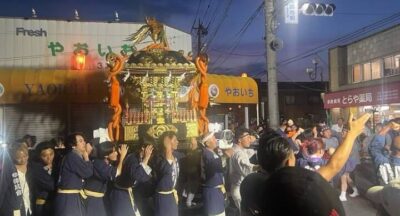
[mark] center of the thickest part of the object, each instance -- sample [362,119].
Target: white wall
[33,52]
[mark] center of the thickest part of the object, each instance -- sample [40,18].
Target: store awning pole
[246,117]
[226,121]
[258,115]
[262,110]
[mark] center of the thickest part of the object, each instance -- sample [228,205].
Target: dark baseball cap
[297,191]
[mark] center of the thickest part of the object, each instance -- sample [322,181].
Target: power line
[225,14]
[352,35]
[214,14]
[239,54]
[195,17]
[240,33]
[206,11]
[361,14]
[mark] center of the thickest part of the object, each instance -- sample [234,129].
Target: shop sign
[57,48]
[231,89]
[20,31]
[375,95]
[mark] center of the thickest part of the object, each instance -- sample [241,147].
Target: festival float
[156,89]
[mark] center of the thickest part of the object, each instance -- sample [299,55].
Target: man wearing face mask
[240,166]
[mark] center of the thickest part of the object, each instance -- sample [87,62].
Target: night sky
[234,48]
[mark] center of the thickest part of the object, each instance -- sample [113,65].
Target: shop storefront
[44,103]
[381,100]
[232,96]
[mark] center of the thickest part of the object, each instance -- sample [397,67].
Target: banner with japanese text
[374,95]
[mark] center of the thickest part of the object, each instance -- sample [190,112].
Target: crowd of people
[288,171]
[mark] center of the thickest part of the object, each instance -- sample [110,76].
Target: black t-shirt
[251,190]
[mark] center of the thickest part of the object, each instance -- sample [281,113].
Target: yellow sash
[130,194]
[222,188]
[173,191]
[72,191]
[93,193]
[40,201]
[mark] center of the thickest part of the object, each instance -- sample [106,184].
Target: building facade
[52,73]
[300,101]
[365,77]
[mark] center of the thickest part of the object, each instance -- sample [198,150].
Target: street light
[312,72]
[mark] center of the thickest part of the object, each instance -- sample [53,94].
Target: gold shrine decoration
[182,130]
[155,131]
[131,132]
[192,130]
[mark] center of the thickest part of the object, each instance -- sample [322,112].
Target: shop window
[367,71]
[357,76]
[290,99]
[314,99]
[391,66]
[376,69]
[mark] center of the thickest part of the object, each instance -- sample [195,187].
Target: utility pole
[201,31]
[270,27]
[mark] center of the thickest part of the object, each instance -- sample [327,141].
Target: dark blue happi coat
[120,197]
[73,171]
[43,188]
[166,178]
[213,180]
[102,173]
[11,201]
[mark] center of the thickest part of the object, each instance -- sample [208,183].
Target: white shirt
[240,165]
[337,128]
[25,191]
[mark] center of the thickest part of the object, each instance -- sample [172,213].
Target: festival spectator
[240,166]
[297,191]
[338,127]
[387,197]
[368,130]
[30,140]
[274,153]
[191,170]
[354,159]
[330,142]
[313,154]
[386,157]
[281,131]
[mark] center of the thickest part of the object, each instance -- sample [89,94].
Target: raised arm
[342,153]
[122,150]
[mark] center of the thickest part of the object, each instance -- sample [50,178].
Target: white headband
[207,137]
